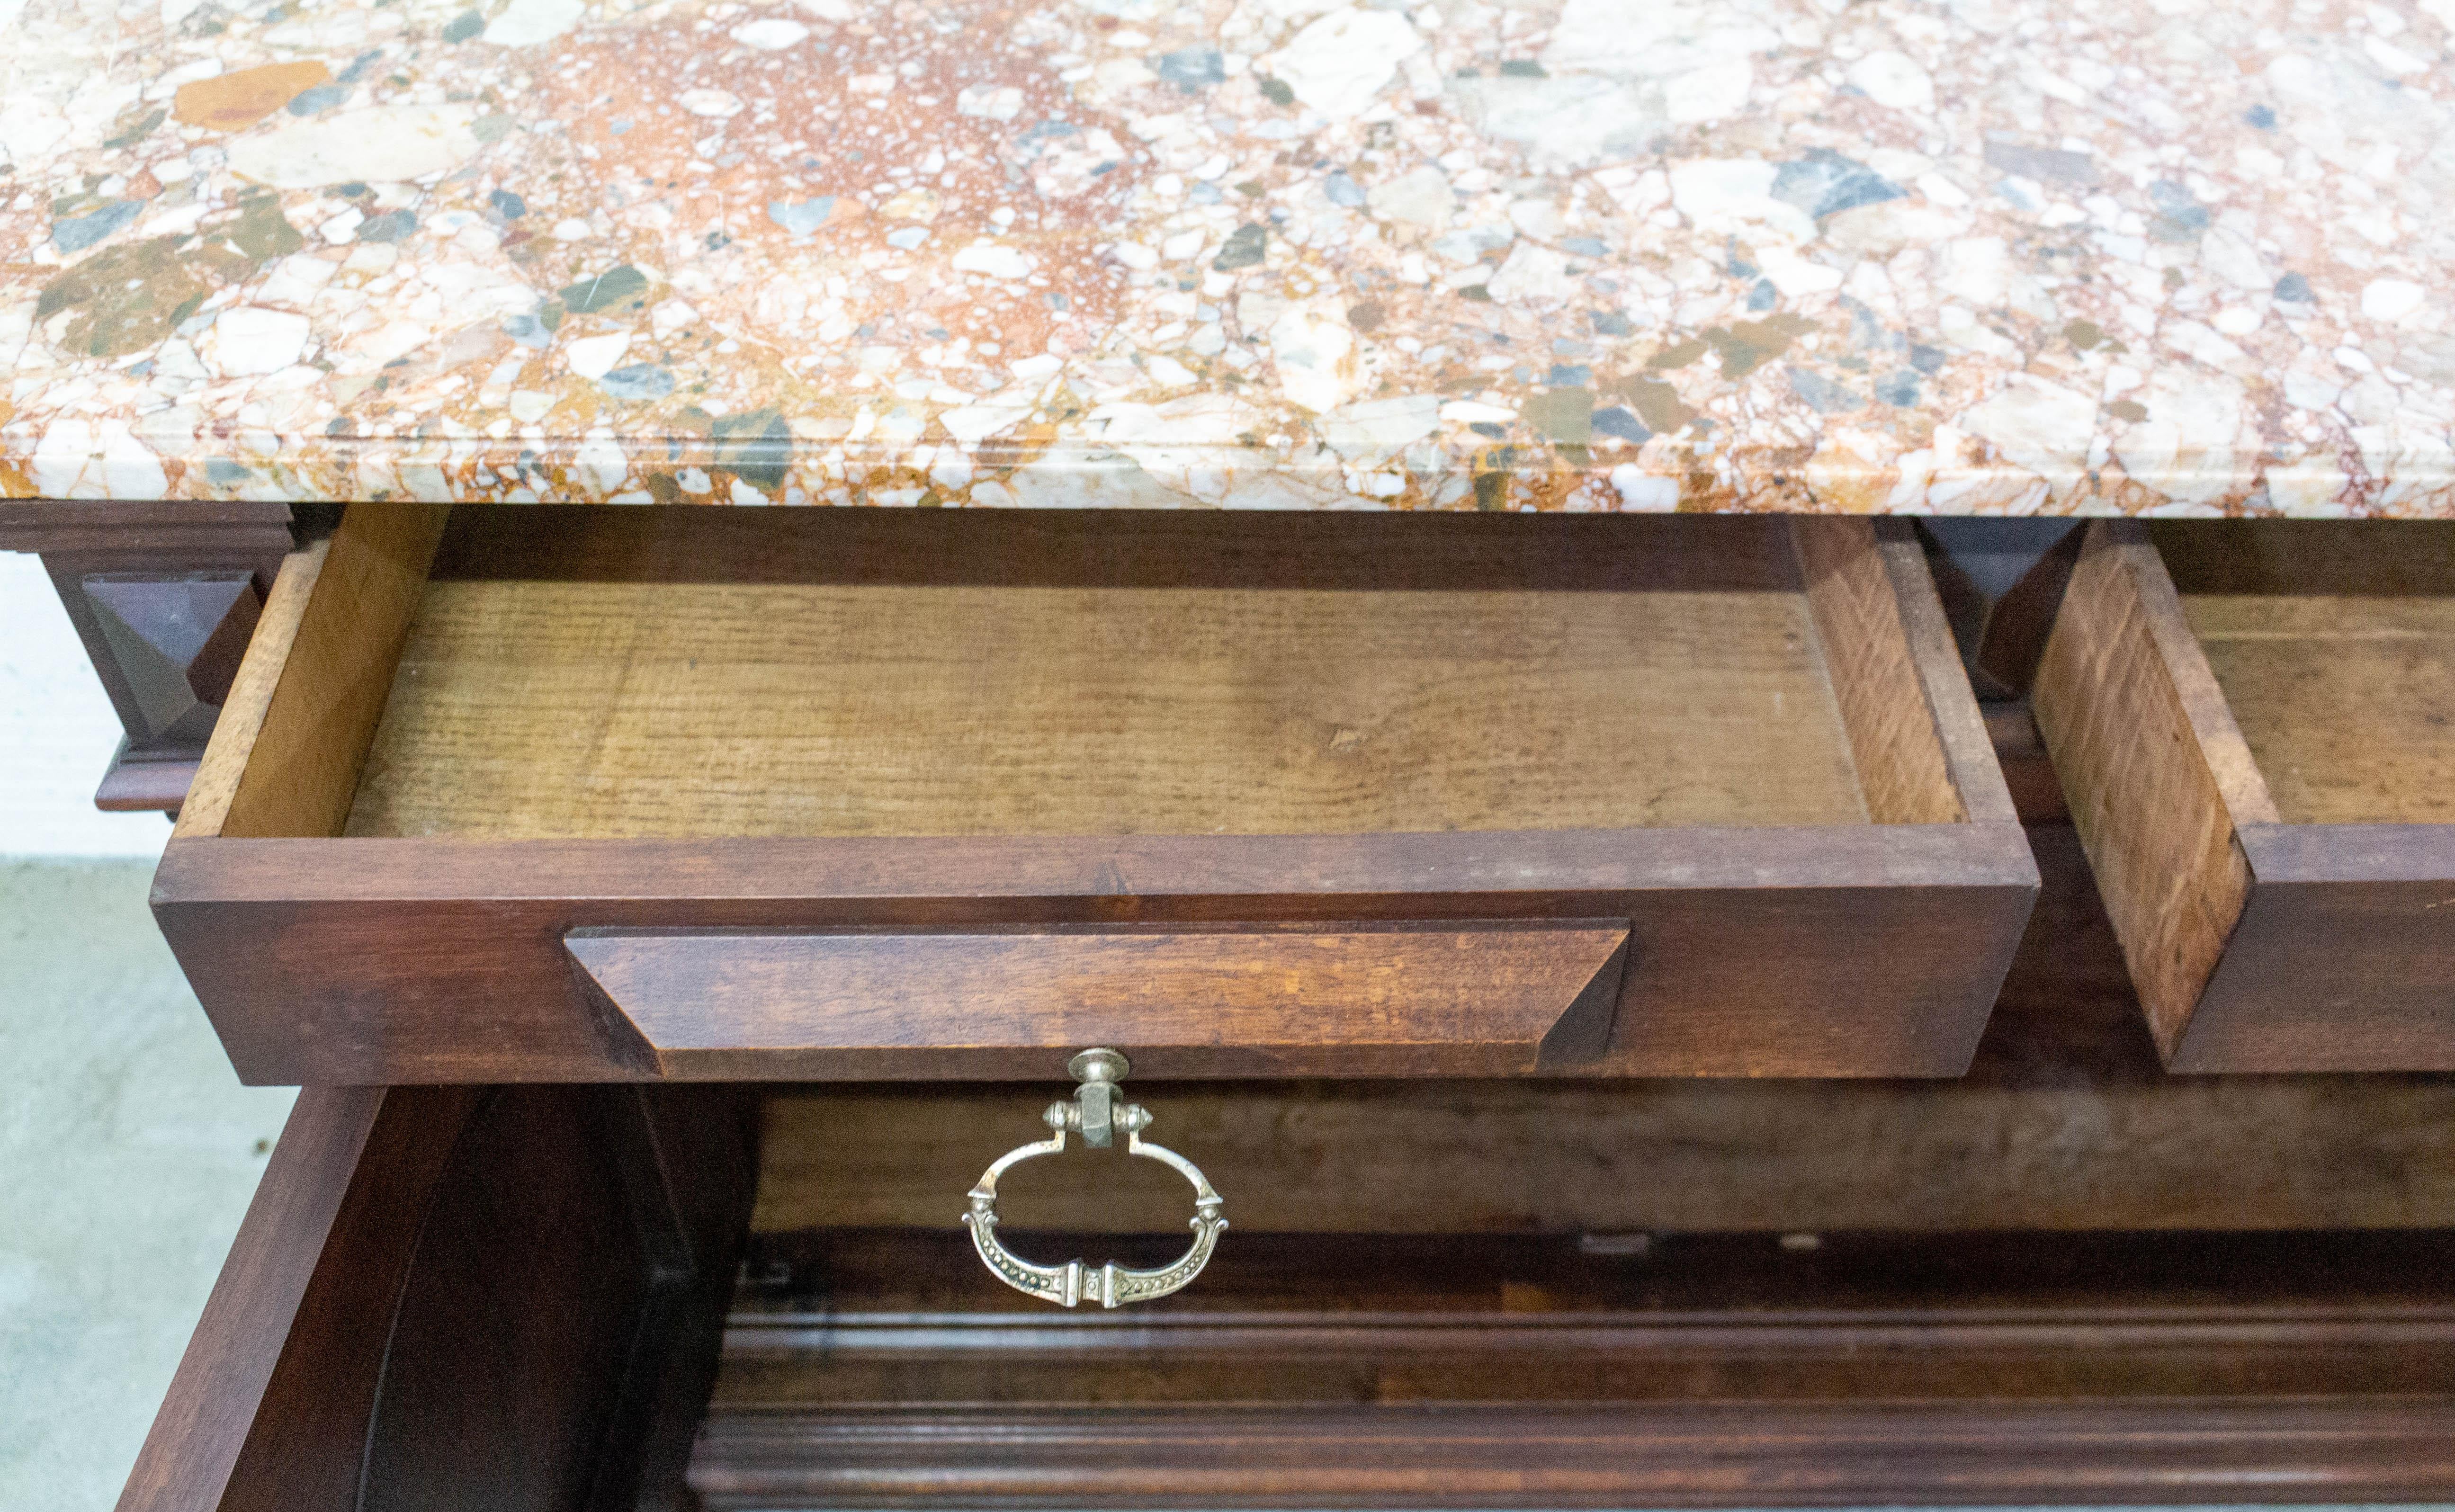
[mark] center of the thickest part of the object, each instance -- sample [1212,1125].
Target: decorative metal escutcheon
[1096,1113]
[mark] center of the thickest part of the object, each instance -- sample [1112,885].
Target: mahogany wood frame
[1859,950]
[2016,1366]
[2257,945]
[463,1296]
[1742,1455]
[1519,1372]
[156,541]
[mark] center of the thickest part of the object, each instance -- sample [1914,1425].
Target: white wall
[57,732]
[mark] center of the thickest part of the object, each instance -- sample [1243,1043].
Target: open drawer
[2255,726]
[529,793]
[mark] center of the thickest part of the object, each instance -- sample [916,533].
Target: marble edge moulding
[1948,257]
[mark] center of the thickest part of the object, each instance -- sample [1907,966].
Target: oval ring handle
[1095,1112]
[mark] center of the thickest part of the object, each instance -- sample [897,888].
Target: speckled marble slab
[1970,256]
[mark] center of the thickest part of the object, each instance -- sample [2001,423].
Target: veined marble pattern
[1968,256]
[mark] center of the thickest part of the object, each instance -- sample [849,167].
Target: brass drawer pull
[1095,1112]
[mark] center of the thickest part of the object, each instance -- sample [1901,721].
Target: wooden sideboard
[1660,1038]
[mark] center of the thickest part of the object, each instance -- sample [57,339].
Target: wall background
[128,1150]
[57,732]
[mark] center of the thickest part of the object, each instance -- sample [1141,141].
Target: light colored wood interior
[2334,644]
[2156,773]
[224,767]
[578,709]
[284,758]
[2348,702]
[1875,673]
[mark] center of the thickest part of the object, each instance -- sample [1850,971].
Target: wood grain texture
[268,1405]
[158,528]
[2270,929]
[1865,950]
[2369,598]
[2226,1153]
[1122,672]
[1398,1000]
[1747,1455]
[1969,760]
[302,765]
[2157,775]
[867,1368]
[1874,675]
[446,1298]
[224,765]
[2347,700]
[1828,946]
[138,787]
[2345,959]
[2064,1121]
[764,710]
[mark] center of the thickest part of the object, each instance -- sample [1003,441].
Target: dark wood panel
[141,787]
[867,1368]
[2065,1120]
[2345,959]
[1394,999]
[1700,1455]
[451,1299]
[1120,548]
[1869,951]
[145,585]
[126,527]
[269,1403]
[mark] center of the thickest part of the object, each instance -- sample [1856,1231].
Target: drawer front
[1587,797]
[2251,726]
[1402,1000]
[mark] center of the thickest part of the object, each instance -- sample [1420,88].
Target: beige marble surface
[1971,256]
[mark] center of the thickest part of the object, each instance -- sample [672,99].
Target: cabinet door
[451,1298]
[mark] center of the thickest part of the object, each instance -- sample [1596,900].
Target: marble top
[1912,255]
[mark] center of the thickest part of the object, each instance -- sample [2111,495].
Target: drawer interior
[590,673]
[2252,720]
[2335,647]
[722,795]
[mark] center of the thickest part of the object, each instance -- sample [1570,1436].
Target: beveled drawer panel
[464,744]
[2254,725]
[1496,999]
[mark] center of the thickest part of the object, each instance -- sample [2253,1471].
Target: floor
[128,1152]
